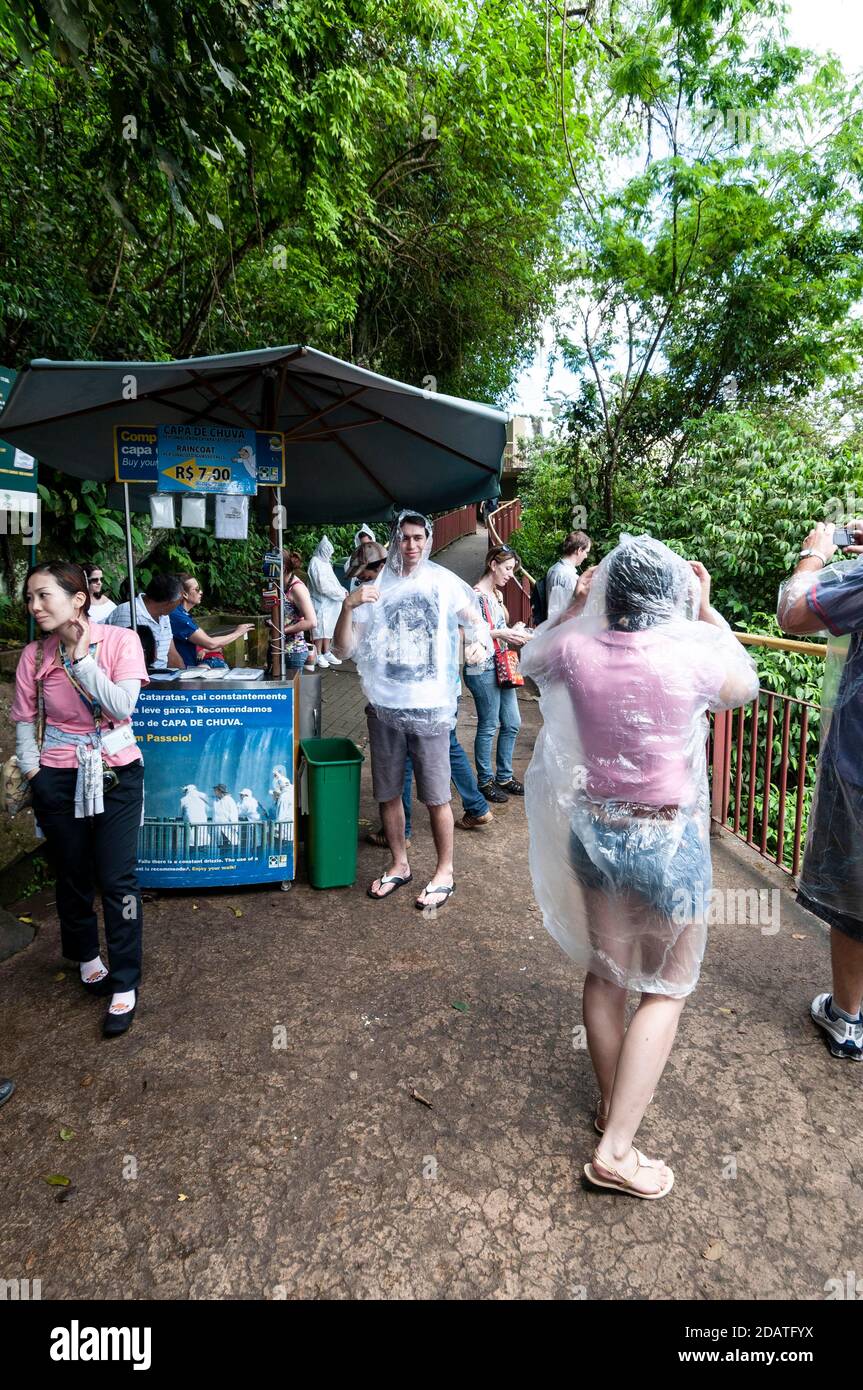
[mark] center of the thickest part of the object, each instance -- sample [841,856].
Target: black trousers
[97,852]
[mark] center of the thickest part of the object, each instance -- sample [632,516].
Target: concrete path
[262,1132]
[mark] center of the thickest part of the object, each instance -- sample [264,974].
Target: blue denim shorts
[666,864]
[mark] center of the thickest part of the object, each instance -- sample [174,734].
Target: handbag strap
[40,697]
[485,607]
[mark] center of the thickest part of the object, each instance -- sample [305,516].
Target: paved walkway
[258,1133]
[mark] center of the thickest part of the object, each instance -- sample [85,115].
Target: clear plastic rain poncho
[407,642]
[616,793]
[831,878]
[325,590]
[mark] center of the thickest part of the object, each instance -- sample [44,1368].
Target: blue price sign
[207,458]
[137,458]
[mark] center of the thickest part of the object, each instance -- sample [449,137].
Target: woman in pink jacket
[87,779]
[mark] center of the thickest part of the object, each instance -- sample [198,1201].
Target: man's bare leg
[442,832]
[847,956]
[393,818]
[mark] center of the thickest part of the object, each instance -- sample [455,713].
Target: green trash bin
[334,766]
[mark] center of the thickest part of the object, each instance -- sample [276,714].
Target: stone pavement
[260,1134]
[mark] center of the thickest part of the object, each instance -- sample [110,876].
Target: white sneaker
[845,1039]
[333,660]
[322,661]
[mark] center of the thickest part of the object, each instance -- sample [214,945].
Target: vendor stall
[204,440]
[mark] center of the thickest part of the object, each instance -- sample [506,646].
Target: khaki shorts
[389,748]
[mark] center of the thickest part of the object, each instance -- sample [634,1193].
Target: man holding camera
[818,596]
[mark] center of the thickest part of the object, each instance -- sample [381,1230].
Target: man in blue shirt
[819,596]
[187,634]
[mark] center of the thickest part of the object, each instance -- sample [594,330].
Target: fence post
[721,731]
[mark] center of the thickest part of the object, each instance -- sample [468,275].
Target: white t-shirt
[560,586]
[160,627]
[408,642]
[99,611]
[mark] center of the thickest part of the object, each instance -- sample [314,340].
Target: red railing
[516,595]
[452,525]
[762,766]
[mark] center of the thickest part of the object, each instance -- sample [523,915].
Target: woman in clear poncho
[618,811]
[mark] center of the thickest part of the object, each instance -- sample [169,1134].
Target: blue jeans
[462,774]
[498,713]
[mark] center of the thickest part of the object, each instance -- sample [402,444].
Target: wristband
[814,554]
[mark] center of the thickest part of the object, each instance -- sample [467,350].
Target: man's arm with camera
[795,614]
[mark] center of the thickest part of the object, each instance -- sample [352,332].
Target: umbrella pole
[280,533]
[130,560]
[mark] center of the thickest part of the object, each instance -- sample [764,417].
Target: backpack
[539,601]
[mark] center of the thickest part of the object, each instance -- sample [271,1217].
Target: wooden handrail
[491,516]
[781,644]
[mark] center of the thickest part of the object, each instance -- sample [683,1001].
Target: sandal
[447,889]
[397,880]
[379,839]
[617,1182]
[600,1120]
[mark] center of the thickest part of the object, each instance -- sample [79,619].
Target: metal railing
[516,595]
[163,839]
[762,765]
[453,525]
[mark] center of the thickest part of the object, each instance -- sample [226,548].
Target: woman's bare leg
[642,1059]
[604,1012]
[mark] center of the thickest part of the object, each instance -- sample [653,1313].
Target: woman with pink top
[618,809]
[87,780]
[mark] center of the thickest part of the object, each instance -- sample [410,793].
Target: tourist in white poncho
[326,594]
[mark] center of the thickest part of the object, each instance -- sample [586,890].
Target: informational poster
[219,799]
[207,458]
[136,456]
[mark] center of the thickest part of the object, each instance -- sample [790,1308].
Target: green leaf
[56,1179]
[462,1008]
[67,1134]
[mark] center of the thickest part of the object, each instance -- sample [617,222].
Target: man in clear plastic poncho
[817,596]
[404,633]
[618,812]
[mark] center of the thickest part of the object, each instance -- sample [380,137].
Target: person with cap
[326,594]
[225,812]
[404,634]
[366,563]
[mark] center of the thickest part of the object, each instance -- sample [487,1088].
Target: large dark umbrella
[357,444]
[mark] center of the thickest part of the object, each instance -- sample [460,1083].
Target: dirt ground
[260,1134]
[256,1134]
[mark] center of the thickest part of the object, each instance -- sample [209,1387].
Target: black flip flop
[448,888]
[389,878]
